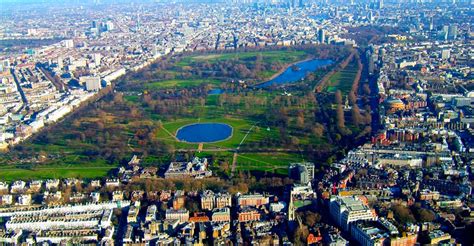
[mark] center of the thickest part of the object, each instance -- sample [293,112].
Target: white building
[347,209]
[3,186]
[277,207]
[92,83]
[18,186]
[181,214]
[24,200]
[151,213]
[52,184]
[6,200]
[110,183]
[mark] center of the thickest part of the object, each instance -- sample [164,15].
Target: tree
[311,218]
[340,117]
[300,119]
[352,98]
[357,118]
[318,130]
[301,235]
[424,215]
[366,89]
[403,214]
[338,97]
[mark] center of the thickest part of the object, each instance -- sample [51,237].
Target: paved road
[22,94]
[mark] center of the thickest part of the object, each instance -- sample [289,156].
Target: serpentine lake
[296,72]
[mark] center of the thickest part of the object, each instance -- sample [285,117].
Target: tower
[321,36]
[452,31]
[138,22]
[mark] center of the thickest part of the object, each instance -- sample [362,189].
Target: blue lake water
[204,132]
[291,75]
[215,92]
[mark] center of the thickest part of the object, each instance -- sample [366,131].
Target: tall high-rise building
[444,32]
[138,22]
[292,4]
[431,27]
[321,36]
[92,83]
[452,31]
[109,26]
[302,172]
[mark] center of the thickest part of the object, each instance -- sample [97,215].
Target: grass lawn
[276,162]
[132,98]
[180,83]
[282,56]
[92,170]
[343,79]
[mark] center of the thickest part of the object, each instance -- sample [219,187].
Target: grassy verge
[343,79]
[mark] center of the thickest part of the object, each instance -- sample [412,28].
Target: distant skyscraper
[109,25]
[431,24]
[445,32]
[371,16]
[301,5]
[380,4]
[321,36]
[452,31]
[138,22]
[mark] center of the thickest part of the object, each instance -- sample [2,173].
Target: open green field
[54,172]
[274,162]
[281,56]
[89,171]
[343,79]
[180,83]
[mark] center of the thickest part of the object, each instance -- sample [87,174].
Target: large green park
[272,127]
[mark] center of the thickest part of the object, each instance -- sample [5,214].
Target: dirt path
[200,147]
[234,160]
[234,164]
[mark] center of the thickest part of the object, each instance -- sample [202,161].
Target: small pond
[204,132]
[215,92]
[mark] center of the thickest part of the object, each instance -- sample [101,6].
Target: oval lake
[204,132]
[291,75]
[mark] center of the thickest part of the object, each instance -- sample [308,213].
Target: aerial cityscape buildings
[349,122]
